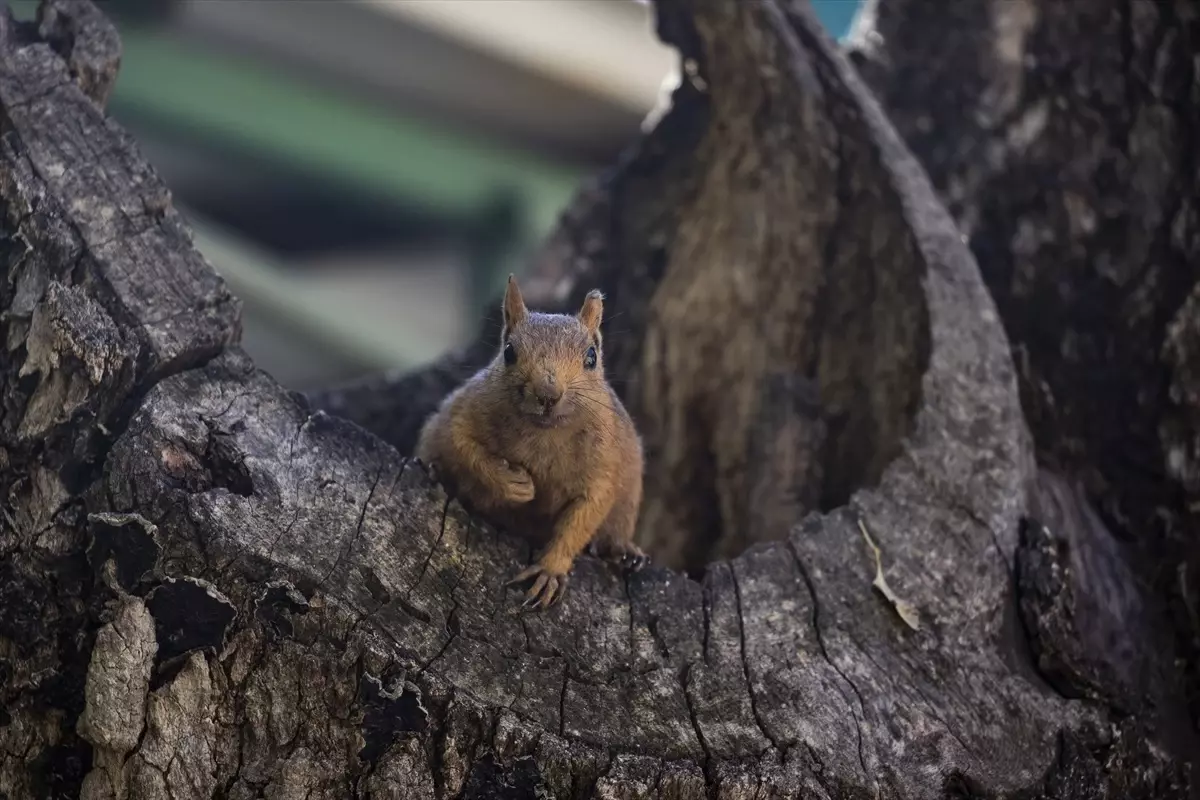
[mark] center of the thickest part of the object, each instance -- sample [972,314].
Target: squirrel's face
[551,362]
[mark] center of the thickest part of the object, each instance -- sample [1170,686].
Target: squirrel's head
[551,363]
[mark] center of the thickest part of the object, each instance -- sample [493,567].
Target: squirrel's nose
[547,392]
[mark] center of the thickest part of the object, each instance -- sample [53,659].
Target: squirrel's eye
[589,360]
[510,354]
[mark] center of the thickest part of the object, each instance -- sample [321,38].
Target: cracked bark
[326,622]
[1072,172]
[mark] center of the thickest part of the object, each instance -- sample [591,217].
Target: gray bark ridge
[210,588]
[1070,169]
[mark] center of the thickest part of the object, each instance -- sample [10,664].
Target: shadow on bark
[209,588]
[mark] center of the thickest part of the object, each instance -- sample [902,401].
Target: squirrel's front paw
[548,589]
[515,483]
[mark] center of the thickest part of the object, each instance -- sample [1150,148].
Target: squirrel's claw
[524,575]
[634,561]
[627,556]
[532,596]
[546,591]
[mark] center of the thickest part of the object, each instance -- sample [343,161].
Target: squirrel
[538,443]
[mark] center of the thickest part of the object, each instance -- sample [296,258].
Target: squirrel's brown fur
[538,443]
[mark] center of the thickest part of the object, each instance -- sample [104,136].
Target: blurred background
[365,173]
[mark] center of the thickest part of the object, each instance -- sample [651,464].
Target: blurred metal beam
[231,98]
[605,48]
[393,55]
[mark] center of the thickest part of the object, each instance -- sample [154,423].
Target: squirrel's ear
[592,311]
[514,304]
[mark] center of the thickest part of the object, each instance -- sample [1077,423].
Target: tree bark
[210,588]
[1062,138]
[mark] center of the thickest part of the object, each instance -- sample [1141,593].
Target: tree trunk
[210,589]
[1063,139]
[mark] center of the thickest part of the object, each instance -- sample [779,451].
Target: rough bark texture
[208,588]
[1073,171]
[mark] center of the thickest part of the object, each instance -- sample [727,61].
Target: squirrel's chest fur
[561,462]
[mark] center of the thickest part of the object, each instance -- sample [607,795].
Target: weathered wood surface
[1072,169]
[208,588]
